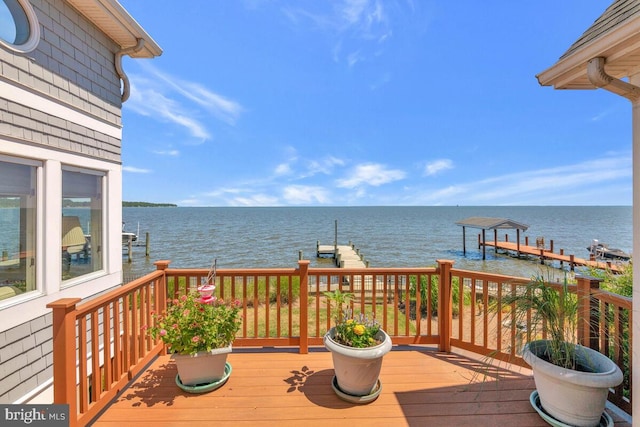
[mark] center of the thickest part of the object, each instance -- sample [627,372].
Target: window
[17,227]
[19,28]
[82,228]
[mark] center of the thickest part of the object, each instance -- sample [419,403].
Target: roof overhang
[621,48]
[487,223]
[111,18]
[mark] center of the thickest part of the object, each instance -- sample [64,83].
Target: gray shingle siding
[37,127]
[73,66]
[26,358]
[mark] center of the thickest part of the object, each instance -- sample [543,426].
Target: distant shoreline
[147,205]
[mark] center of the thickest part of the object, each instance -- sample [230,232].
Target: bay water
[390,236]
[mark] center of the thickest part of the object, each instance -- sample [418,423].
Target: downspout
[125,80]
[597,76]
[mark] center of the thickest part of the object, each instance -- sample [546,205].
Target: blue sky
[368,103]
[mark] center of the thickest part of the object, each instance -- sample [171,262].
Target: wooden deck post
[464,241]
[445,312]
[161,293]
[484,247]
[587,311]
[303,267]
[64,357]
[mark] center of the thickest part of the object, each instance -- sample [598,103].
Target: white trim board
[37,102]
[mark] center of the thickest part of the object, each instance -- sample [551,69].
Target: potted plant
[357,345]
[198,329]
[572,381]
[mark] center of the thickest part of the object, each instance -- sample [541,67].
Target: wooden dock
[346,256]
[542,254]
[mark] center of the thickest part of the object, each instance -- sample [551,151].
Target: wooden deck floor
[419,387]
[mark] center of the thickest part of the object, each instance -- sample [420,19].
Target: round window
[19,29]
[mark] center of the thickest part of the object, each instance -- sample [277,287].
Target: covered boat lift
[486,223]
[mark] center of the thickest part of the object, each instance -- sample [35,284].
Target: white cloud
[135,170]
[172,153]
[358,26]
[437,166]
[255,200]
[147,101]
[165,97]
[283,169]
[372,174]
[563,184]
[325,166]
[305,194]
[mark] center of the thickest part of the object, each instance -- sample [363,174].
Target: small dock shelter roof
[486,223]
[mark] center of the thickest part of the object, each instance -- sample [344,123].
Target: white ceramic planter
[357,369]
[203,367]
[570,396]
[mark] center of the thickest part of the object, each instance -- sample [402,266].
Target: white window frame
[34,29]
[104,214]
[39,264]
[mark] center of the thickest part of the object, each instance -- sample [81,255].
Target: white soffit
[620,46]
[110,17]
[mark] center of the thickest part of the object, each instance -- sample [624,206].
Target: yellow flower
[350,321]
[358,329]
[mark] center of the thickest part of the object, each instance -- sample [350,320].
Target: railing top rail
[371,271]
[113,295]
[496,277]
[613,298]
[231,271]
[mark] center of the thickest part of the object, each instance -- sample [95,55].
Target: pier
[346,256]
[518,250]
[543,254]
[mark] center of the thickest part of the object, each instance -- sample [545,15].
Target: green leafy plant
[192,324]
[543,307]
[358,331]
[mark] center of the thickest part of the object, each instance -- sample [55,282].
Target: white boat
[128,236]
[603,251]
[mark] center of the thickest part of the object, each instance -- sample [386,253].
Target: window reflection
[17,229]
[82,230]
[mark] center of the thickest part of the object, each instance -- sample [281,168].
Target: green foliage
[354,331]
[284,291]
[622,284]
[618,283]
[190,324]
[555,311]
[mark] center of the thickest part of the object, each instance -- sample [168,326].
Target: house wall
[59,104]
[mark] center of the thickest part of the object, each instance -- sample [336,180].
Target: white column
[635,351]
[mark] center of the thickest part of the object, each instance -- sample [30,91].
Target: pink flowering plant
[357,331]
[193,323]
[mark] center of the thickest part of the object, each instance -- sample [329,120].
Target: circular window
[19,29]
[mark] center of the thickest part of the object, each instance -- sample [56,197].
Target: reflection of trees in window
[17,227]
[82,230]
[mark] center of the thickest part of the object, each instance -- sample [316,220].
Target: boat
[603,251]
[128,236]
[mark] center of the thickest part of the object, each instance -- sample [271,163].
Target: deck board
[419,387]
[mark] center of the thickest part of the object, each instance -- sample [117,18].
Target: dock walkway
[543,255]
[346,256]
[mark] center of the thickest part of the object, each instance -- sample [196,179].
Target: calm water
[387,236]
